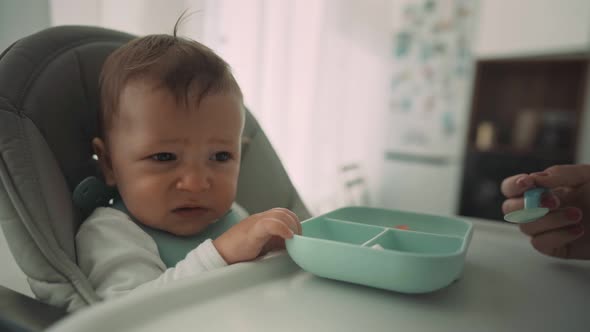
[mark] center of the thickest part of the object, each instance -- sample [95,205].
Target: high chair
[48,116]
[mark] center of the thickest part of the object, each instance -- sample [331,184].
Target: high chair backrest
[48,105]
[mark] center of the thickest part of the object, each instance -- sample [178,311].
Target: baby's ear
[104,161]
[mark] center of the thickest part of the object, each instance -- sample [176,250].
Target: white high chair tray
[506,286]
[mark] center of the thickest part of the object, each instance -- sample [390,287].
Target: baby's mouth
[190,211]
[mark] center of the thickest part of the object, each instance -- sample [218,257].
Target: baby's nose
[194,179]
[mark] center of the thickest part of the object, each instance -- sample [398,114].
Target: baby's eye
[163,156]
[221,156]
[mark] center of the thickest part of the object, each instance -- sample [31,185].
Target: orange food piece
[402,227]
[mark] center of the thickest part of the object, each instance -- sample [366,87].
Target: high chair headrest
[48,104]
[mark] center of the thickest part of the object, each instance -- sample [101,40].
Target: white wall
[532,27]
[139,17]
[20,18]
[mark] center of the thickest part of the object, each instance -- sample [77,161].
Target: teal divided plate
[389,249]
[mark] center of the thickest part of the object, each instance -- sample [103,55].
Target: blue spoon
[532,210]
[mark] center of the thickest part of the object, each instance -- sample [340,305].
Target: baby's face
[176,169]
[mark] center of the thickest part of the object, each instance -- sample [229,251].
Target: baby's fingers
[268,227]
[289,217]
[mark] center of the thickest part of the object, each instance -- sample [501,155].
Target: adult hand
[562,232]
[257,235]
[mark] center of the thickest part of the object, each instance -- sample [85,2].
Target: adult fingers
[563,195]
[563,176]
[516,185]
[550,200]
[554,243]
[512,204]
[562,218]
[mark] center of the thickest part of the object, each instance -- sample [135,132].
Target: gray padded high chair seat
[48,105]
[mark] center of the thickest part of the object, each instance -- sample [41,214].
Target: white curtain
[314,72]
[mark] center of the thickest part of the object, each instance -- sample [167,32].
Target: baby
[171,123]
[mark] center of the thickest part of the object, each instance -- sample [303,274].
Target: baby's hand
[257,235]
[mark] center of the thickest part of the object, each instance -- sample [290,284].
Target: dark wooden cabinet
[525,117]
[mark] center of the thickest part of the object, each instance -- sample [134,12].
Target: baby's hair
[183,17]
[186,68]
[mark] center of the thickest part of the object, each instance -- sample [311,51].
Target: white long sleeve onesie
[118,256]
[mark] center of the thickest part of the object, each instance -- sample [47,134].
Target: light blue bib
[92,192]
[173,248]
